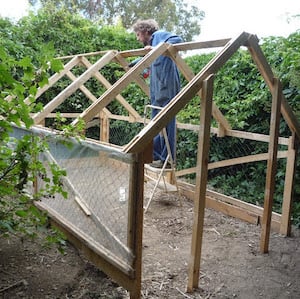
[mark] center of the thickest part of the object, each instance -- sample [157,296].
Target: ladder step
[157,170]
[161,185]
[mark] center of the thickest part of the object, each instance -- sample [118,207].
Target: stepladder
[164,177]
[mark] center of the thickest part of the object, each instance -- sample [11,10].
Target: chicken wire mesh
[243,181]
[97,184]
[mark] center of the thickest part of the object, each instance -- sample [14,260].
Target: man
[164,83]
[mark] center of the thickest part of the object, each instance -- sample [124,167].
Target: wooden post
[271,166]
[285,225]
[201,182]
[104,127]
[135,222]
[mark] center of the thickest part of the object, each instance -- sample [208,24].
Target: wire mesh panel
[236,166]
[97,183]
[122,132]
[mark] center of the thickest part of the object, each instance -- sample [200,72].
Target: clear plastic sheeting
[97,183]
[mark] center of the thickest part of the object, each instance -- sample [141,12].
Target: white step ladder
[158,175]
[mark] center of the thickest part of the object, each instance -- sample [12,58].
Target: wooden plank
[243,214]
[184,96]
[255,136]
[231,206]
[230,162]
[285,226]
[271,167]
[116,88]
[73,87]
[257,210]
[104,127]
[268,75]
[82,205]
[231,210]
[235,133]
[136,220]
[111,236]
[140,82]
[189,75]
[86,91]
[180,47]
[64,114]
[188,46]
[245,159]
[134,52]
[83,54]
[107,262]
[107,85]
[78,199]
[201,182]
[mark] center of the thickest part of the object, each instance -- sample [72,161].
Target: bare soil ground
[231,265]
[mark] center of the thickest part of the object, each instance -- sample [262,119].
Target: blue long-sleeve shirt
[164,80]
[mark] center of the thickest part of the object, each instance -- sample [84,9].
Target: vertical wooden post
[135,221]
[271,166]
[285,225]
[104,127]
[201,182]
[42,122]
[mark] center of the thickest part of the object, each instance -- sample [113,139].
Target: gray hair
[149,26]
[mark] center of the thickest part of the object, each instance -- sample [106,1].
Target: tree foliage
[20,78]
[175,16]
[19,166]
[27,49]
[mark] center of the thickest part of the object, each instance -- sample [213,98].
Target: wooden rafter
[115,89]
[73,87]
[107,85]
[267,73]
[189,75]
[184,96]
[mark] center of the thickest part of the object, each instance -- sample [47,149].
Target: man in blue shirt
[164,83]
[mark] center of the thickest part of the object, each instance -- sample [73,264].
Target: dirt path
[231,264]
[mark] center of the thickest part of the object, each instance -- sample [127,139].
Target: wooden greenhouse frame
[201,84]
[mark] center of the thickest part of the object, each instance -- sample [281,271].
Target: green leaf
[25,62]
[56,65]
[21,213]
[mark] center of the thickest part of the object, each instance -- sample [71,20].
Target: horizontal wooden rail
[231,162]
